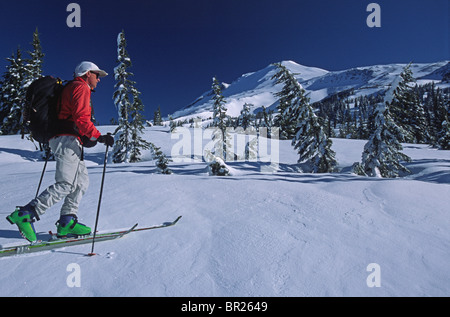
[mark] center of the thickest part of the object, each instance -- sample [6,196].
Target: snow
[258,88]
[250,234]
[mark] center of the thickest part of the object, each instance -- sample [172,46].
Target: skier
[71,177]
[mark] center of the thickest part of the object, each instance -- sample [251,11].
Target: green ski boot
[24,217]
[68,226]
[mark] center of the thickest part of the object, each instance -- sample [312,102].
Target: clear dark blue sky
[177,46]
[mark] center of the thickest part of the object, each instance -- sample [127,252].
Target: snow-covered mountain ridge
[258,88]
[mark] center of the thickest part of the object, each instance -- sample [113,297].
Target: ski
[165,224]
[55,242]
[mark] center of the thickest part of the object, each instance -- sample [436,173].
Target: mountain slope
[258,88]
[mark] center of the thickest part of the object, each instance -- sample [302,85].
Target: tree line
[406,113]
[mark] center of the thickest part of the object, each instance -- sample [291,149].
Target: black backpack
[40,113]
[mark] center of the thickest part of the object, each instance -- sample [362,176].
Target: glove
[107,139]
[86,142]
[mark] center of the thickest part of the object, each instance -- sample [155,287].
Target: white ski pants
[71,177]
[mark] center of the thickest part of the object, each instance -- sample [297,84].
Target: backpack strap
[64,126]
[64,85]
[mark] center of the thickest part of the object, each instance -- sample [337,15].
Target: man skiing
[71,177]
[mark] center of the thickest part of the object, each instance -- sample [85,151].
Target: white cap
[84,67]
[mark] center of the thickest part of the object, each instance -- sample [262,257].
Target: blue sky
[177,46]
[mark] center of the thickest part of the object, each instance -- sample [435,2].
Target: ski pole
[99,201]
[42,176]
[47,156]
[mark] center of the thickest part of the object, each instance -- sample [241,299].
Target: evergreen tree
[296,115]
[251,149]
[126,98]
[121,100]
[33,65]
[172,124]
[137,128]
[444,136]
[245,118]
[4,95]
[286,118]
[407,110]
[381,156]
[429,98]
[219,108]
[157,119]
[443,113]
[12,94]
[311,142]
[162,162]
[19,75]
[266,120]
[219,120]
[216,165]
[438,113]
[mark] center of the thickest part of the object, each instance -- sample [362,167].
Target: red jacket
[76,106]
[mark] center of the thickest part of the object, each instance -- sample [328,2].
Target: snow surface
[258,88]
[251,234]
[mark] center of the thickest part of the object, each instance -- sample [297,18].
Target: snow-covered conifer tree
[12,94]
[245,118]
[5,87]
[219,120]
[219,108]
[266,120]
[406,109]
[137,143]
[162,162]
[286,119]
[129,106]
[216,165]
[439,113]
[33,65]
[157,120]
[381,156]
[310,139]
[311,142]
[444,136]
